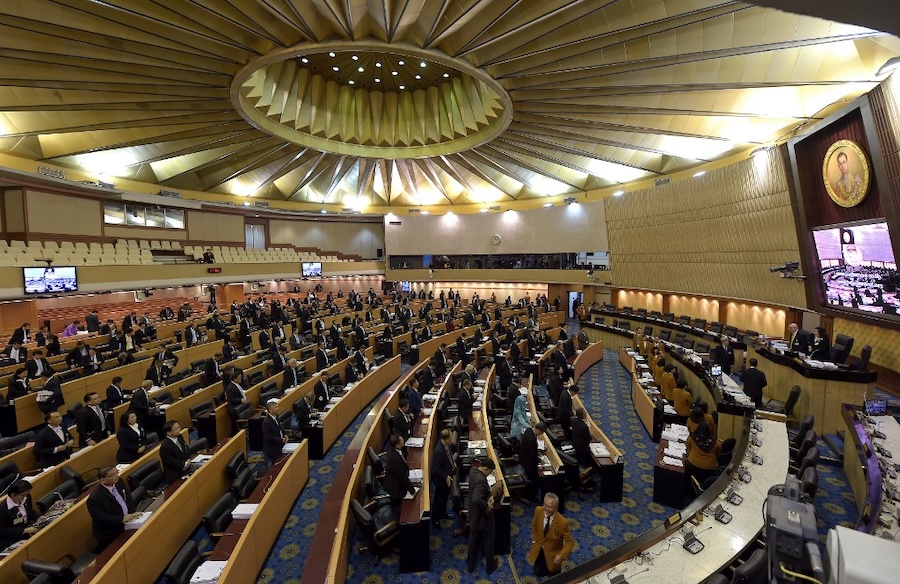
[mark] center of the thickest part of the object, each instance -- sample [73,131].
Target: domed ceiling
[389,104]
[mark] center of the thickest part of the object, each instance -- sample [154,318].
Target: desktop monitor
[50,280]
[715,370]
[311,269]
[876,407]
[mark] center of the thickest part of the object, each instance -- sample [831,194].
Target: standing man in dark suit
[558,359]
[91,421]
[274,437]
[52,445]
[461,352]
[234,392]
[278,334]
[244,338]
[443,469]
[401,420]
[754,382]
[212,371]
[481,516]
[798,340]
[290,377]
[115,395]
[37,364]
[21,335]
[279,361]
[140,402]
[265,343]
[564,408]
[110,507]
[321,391]
[465,401]
[581,438]
[529,455]
[92,322]
[723,354]
[303,412]
[427,377]
[52,384]
[158,373]
[322,361]
[173,452]
[17,515]
[505,374]
[396,473]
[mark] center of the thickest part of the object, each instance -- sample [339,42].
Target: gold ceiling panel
[517,100]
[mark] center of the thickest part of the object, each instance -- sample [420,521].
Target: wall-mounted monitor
[311,269]
[50,280]
[857,268]
[405,286]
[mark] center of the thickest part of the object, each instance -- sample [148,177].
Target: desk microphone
[3,492]
[268,484]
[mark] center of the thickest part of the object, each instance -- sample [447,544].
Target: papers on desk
[429,397]
[162,407]
[668,409]
[675,450]
[476,405]
[201,458]
[136,523]
[675,433]
[334,400]
[208,572]
[290,447]
[523,391]
[599,450]
[426,411]
[120,467]
[479,382]
[244,511]
[415,442]
[289,391]
[477,444]
[80,451]
[415,476]
[541,445]
[409,496]
[44,395]
[672,461]
[491,480]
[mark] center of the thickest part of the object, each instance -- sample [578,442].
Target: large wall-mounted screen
[50,280]
[311,269]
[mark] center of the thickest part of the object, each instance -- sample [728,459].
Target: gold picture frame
[846,173]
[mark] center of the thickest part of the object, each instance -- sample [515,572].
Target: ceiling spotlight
[699,174]
[401,63]
[418,76]
[304,60]
[378,64]
[548,204]
[355,58]
[331,54]
[446,75]
[402,87]
[393,73]
[422,64]
[618,193]
[352,82]
[335,68]
[377,80]
[360,69]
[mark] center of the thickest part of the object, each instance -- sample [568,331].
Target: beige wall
[716,235]
[206,226]
[571,228]
[55,213]
[636,299]
[14,210]
[362,239]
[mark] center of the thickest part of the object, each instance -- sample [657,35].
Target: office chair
[9,473]
[809,441]
[810,461]
[754,570]
[269,391]
[11,444]
[236,465]
[579,477]
[244,485]
[378,530]
[786,407]
[184,564]
[66,491]
[376,462]
[149,474]
[54,573]
[188,389]
[861,363]
[196,446]
[218,517]
[840,350]
[375,494]
[810,482]
[66,472]
[796,438]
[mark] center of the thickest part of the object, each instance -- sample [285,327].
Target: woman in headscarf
[703,453]
[520,419]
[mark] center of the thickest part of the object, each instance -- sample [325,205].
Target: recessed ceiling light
[418,76]
[422,64]
[393,73]
[424,213]
[618,193]
[246,203]
[360,69]
[548,204]
[355,58]
[335,68]
[305,60]
[378,64]
[402,87]
[482,210]
[331,54]
[352,82]
[323,211]
[446,75]
[401,63]
[377,80]
[699,174]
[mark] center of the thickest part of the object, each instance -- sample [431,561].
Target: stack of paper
[675,450]
[415,475]
[599,450]
[415,442]
[672,461]
[290,447]
[244,511]
[426,411]
[208,572]
[136,523]
[201,458]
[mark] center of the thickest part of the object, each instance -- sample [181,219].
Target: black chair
[9,473]
[861,363]
[811,460]
[242,414]
[42,579]
[244,485]
[69,375]
[66,473]
[786,407]
[840,350]
[665,335]
[809,441]
[200,409]
[73,410]
[164,397]
[375,494]
[796,439]
[198,365]
[11,444]
[255,377]
[219,398]
[66,491]
[730,331]
[809,484]
[269,391]
[580,478]
[218,517]
[145,475]
[700,323]
[152,438]
[754,570]
[197,446]
[648,331]
[701,348]
[184,564]
[375,461]
[378,530]
[717,579]
[188,389]
[141,498]
[236,465]
[52,572]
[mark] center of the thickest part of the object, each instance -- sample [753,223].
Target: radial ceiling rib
[446,166]
[365,175]
[430,174]
[317,169]
[538,144]
[517,161]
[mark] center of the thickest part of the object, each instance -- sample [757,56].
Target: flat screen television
[857,268]
[405,286]
[311,269]
[50,280]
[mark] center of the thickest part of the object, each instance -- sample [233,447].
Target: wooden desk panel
[589,357]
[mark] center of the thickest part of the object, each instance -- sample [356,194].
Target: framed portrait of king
[846,173]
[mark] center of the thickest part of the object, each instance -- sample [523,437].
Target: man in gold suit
[551,538]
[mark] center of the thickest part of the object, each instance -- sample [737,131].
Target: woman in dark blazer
[820,346]
[132,439]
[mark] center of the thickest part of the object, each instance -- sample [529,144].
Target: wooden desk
[612,467]
[552,476]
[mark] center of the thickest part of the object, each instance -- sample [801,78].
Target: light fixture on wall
[570,200]
[889,67]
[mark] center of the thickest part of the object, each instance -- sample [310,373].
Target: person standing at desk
[820,347]
[581,439]
[91,421]
[529,455]
[798,340]
[723,355]
[401,421]
[17,515]
[396,473]
[754,382]
[274,437]
[52,445]
[173,452]
[481,516]
[564,408]
[110,507]
[443,469]
[682,400]
[551,538]
[131,437]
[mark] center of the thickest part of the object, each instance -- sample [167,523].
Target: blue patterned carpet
[597,527]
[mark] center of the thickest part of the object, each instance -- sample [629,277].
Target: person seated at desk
[820,347]
[18,384]
[72,329]
[168,357]
[53,346]
[37,365]
[682,400]
[77,357]
[52,445]
[529,455]
[93,363]
[110,507]
[296,340]
[131,437]
[723,354]
[396,473]
[15,353]
[581,438]
[402,420]
[173,452]
[91,421]
[124,358]
[17,515]
[703,450]
[158,374]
